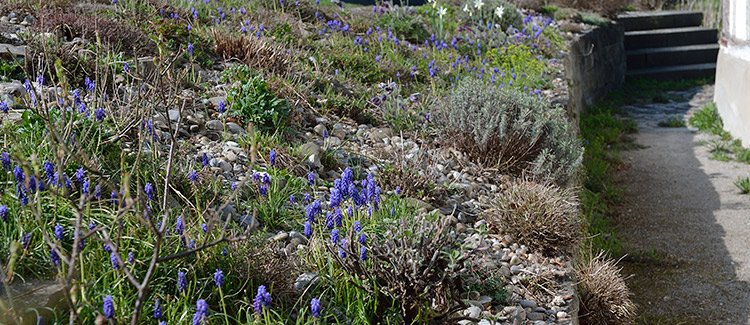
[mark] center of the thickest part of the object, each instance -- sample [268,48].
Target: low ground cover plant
[511,131]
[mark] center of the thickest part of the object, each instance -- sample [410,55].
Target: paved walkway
[686,224]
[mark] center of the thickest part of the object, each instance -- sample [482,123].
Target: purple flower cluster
[181,281]
[201,312]
[108,307]
[261,300]
[218,278]
[315,308]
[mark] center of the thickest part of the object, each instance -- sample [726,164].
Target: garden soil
[684,224]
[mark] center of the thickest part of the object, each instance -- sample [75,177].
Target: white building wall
[732,91]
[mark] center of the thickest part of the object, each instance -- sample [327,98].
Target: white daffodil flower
[442,11]
[466,8]
[499,11]
[478,4]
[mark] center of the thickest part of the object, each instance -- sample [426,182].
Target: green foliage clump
[518,60]
[253,102]
[11,70]
[509,130]
[545,218]
[511,17]
[708,120]
[743,183]
[593,19]
[405,26]
[742,154]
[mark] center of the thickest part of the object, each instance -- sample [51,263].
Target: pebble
[215,125]
[473,311]
[319,129]
[535,316]
[280,236]
[527,303]
[304,280]
[235,128]
[515,269]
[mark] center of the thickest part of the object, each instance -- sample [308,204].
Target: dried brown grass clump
[260,54]
[543,217]
[265,263]
[605,298]
[113,34]
[76,64]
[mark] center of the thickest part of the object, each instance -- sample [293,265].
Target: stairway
[669,45]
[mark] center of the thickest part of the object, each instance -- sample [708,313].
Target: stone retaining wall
[594,66]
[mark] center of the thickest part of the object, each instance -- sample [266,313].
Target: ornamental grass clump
[509,130]
[543,217]
[605,298]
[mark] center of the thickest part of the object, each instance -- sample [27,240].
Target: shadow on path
[687,228]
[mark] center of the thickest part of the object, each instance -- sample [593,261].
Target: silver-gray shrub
[509,130]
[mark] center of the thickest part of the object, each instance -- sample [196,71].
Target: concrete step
[660,19]
[672,55]
[678,72]
[669,37]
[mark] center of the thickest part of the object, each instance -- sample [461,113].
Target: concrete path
[686,224]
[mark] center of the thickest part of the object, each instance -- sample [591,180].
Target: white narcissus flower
[442,11]
[478,4]
[499,11]
[466,8]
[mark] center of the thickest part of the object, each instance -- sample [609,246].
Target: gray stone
[539,309]
[215,125]
[228,211]
[216,100]
[295,242]
[515,269]
[485,300]
[505,271]
[527,303]
[305,280]
[515,260]
[515,314]
[231,156]
[280,236]
[293,234]
[377,135]
[248,220]
[173,114]
[333,142]
[535,316]
[312,151]
[15,51]
[473,312]
[460,228]
[12,88]
[319,129]
[235,128]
